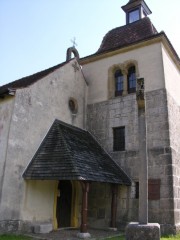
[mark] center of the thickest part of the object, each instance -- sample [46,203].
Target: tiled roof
[27,81]
[128,34]
[70,153]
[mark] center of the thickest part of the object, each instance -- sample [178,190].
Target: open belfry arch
[69,154]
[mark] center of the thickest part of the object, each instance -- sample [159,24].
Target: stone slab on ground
[83,235]
[71,234]
[136,231]
[43,228]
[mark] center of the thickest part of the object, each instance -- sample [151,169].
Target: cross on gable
[74,42]
[75,66]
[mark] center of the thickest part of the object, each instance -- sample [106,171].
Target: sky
[35,34]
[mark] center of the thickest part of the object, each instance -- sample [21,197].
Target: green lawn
[177,237]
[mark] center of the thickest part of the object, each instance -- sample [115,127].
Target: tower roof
[127,34]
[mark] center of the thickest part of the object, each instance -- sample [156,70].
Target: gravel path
[71,234]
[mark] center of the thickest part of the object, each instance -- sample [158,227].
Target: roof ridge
[54,124]
[32,78]
[65,144]
[69,125]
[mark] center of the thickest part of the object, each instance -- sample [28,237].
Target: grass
[171,237]
[13,237]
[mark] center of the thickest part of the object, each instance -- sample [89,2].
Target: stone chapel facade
[97,93]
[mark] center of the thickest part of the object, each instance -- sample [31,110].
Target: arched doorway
[64,203]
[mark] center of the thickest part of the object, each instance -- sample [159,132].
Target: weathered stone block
[43,228]
[166,191]
[166,216]
[154,204]
[136,231]
[166,203]
[153,215]
[9,226]
[83,235]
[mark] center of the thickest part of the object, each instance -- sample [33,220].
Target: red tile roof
[127,34]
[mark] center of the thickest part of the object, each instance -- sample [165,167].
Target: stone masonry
[174,131]
[102,117]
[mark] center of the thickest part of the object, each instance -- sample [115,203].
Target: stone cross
[74,42]
[142,229]
[143,166]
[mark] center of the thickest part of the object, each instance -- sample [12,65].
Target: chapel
[69,142]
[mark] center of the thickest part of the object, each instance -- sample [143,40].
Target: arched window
[118,83]
[131,79]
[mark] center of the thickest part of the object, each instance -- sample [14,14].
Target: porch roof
[71,153]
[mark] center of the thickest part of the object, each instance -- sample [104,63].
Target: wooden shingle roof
[70,153]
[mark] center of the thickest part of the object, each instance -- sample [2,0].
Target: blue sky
[35,34]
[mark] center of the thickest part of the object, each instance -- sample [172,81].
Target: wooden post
[114,205]
[85,190]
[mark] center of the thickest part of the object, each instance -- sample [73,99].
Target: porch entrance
[64,203]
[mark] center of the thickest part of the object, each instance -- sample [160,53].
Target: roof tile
[127,34]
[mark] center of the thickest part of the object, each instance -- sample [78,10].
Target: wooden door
[64,198]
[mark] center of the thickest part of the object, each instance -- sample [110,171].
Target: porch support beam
[114,205]
[83,229]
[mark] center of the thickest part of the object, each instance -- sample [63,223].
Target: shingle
[70,153]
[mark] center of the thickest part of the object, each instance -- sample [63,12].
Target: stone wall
[148,57]
[35,109]
[122,111]
[160,159]
[101,119]
[6,110]
[174,130]
[99,207]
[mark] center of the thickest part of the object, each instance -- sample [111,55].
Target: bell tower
[135,10]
